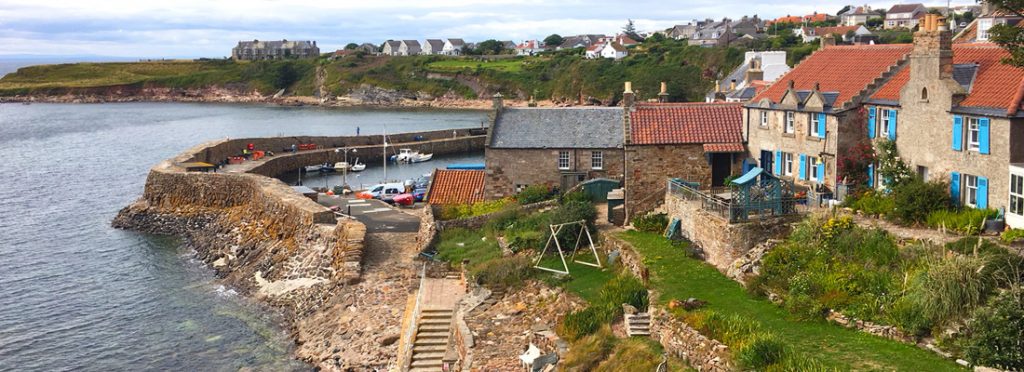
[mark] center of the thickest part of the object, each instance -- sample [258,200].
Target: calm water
[76,294]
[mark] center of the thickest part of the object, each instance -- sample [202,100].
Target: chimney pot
[732,85]
[629,87]
[664,88]
[628,98]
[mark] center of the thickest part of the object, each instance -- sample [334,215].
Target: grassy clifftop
[562,76]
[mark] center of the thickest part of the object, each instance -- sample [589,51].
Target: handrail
[730,211]
[410,332]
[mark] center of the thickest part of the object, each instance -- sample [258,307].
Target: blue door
[766,160]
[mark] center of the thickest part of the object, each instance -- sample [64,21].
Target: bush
[1012,236]
[909,317]
[915,199]
[966,221]
[575,196]
[525,239]
[533,194]
[951,287]
[503,272]
[993,336]
[760,351]
[633,354]
[588,351]
[578,324]
[460,211]
[624,289]
[874,203]
[653,222]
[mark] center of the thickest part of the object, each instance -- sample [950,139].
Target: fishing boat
[341,166]
[357,166]
[409,156]
[326,168]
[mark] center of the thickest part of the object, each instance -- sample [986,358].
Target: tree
[1009,37]
[490,47]
[351,46]
[874,22]
[554,40]
[630,30]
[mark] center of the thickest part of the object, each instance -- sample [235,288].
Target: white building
[453,47]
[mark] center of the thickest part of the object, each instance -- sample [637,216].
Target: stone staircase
[638,325]
[431,340]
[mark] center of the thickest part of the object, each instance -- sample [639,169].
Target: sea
[78,295]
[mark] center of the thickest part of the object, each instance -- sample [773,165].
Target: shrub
[575,196]
[909,317]
[459,211]
[760,351]
[993,336]
[503,272]
[580,323]
[526,239]
[951,287]
[624,289]
[1012,236]
[633,355]
[588,351]
[533,194]
[874,203]
[966,221]
[915,199]
[653,222]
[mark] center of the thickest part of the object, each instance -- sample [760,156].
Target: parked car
[384,191]
[404,199]
[420,194]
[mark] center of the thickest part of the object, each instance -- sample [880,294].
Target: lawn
[455,65]
[676,276]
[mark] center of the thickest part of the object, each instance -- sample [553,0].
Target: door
[721,168]
[766,161]
[571,179]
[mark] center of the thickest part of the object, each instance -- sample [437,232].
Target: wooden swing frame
[555,229]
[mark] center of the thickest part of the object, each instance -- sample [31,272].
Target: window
[814,125]
[971,186]
[788,163]
[973,135]
[923,172]
[563,160]
[764,118]
[1017,194]
[597,160]
[812,168]
[885,123]
[983,26]
[789,122]
[924,94]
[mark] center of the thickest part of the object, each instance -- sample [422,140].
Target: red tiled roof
[724,147]
[819,17]
[838,30]
[678,123]
[456,187]
[996,85]
[846,69]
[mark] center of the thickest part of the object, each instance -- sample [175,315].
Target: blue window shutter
[821,172]
[954,187]
[778,162]
[871,122]
[983,131]
[982,193]
[803,167]
[821,125]
[892,125]
[958,132]
[871,175]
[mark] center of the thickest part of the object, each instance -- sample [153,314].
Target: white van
[386,191]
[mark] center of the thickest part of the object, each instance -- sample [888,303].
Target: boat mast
[385,154]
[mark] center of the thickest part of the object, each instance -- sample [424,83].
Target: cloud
[209,28]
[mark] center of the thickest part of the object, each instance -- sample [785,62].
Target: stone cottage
[799,126]
[557,147]
[697,142]
[955,114]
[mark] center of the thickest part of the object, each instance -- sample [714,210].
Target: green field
[457,65]
[677,276]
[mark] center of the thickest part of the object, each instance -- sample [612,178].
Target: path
[906,233]
[378,216]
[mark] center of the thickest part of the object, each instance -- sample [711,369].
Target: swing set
[555,230]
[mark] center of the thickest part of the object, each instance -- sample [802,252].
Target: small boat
[313,168]
[419,158]
[341,166]
[409,156]
[327,168]
[358,167]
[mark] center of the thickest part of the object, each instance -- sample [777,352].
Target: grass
[456,65]
[585,281]
[677,276]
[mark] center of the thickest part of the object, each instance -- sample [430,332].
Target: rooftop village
[823,151]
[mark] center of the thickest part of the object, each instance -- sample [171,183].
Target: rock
[675,304]
[518,308]
[388,340]
[693,304]
[963,362]
[629,309]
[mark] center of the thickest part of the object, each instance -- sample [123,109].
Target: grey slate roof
[583,128]
[435,44]
[964,74]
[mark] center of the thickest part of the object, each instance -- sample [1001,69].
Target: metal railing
[712,201]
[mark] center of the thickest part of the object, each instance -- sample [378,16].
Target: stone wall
[771,138]
[722,242]
[507,168]
[650,166]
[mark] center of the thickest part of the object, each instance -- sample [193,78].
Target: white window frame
[814,125]
[790,122]
[812,168]
[970,190]
[564,160]
[1016,194]
[983,26]
[597,160]
[973,134]
[885,119]
[787,163]
[764,118]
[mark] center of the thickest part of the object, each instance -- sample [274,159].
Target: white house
[858,15]
[390,47]
[529,48]
[809,34]
[409,48]
[904,15]
[453,47]
[607,50]
[433,46]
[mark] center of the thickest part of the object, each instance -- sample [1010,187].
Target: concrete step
[426,369]
[434,327]
[432,334]
[427,356]
[429,349]
[430,342]
[426,363]
[433,321]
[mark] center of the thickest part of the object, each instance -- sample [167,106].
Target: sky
[210,28]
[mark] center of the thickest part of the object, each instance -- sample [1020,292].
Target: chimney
[817,87]
[627,95]
[827,40]
[792,84]
[932,57]
[754,72]
[499,101]
[663,96]
[732,85]
[718,86]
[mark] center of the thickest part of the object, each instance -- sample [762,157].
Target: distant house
[686,31]
[580,41]
[904,16]
[810,18]
[529,48]
[985,22]
[262,50]
[390,47]
[747,25]
[809,34]
[453,187]
[368,48]
[759,69]
[714,34]
[614,50]
[433,46]
[409,48]
[858,16]
[625,40]
[453,47]
[593,51]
